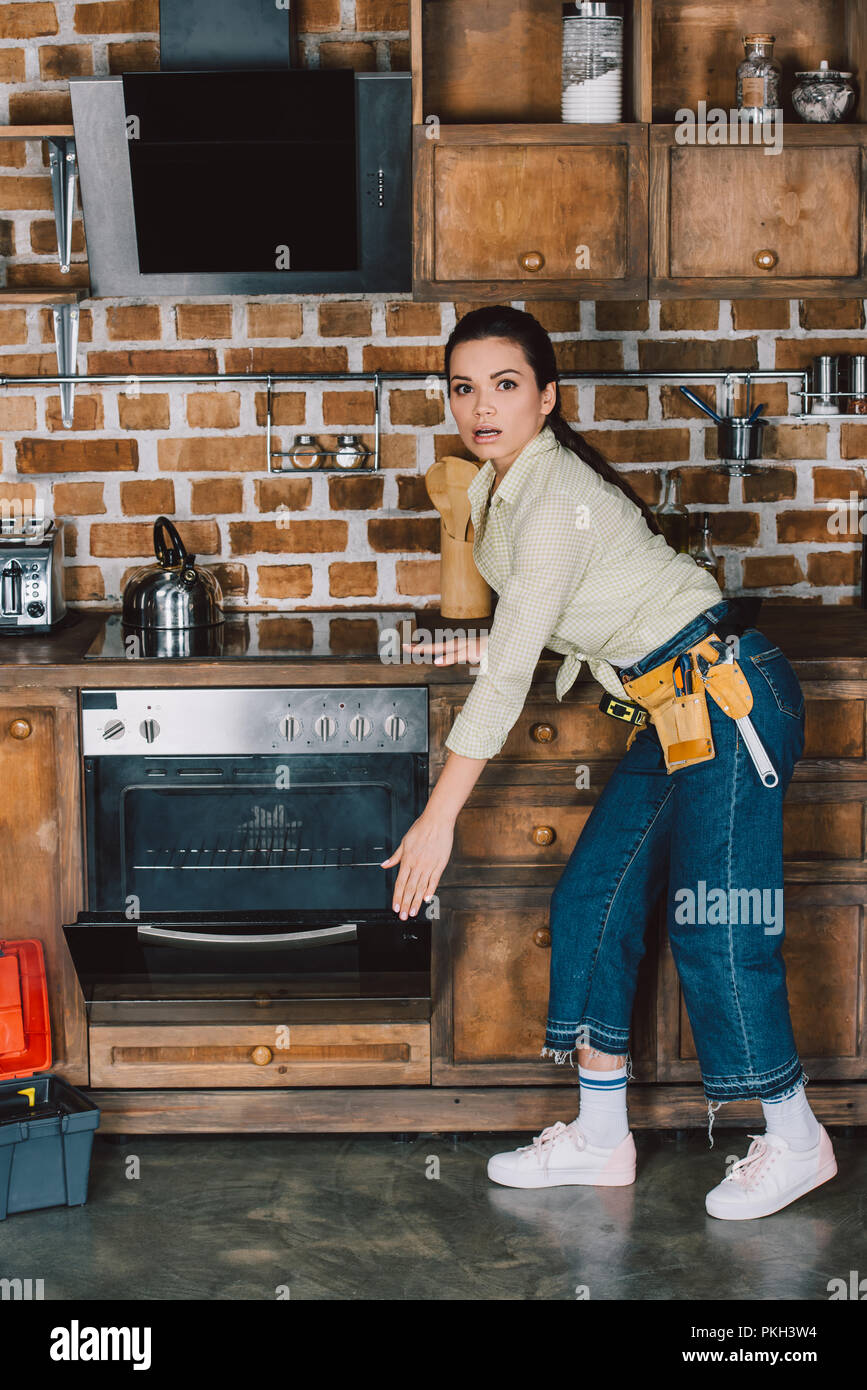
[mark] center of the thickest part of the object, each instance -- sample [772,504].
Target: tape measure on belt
[626,710]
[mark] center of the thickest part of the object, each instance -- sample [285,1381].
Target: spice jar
[349,453]
[305,452]
[758,78]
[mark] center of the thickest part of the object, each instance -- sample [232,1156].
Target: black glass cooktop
[341,633]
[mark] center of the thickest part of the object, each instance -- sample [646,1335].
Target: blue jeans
[709,837]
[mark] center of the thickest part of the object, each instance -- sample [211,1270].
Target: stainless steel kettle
[173,594]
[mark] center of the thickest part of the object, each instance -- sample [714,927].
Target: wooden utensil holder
[464,593]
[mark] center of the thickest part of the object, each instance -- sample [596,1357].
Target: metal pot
[739,439]
[173,595]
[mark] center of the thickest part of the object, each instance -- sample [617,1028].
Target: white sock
[602,1117]
[793,1120]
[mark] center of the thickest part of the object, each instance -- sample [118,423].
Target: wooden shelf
[35,132]
[46,296]
[468,69]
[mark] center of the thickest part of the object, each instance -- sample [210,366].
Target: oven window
[236,834]
[244,848]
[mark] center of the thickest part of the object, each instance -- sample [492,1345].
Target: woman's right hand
[452,650]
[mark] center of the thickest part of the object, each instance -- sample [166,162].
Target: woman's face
[491,384]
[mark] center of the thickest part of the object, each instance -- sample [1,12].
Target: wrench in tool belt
[756,749]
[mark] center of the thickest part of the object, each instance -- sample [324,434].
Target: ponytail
[570,439]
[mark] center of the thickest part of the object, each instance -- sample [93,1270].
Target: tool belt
[682,720]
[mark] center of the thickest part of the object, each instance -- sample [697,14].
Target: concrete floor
[356,1217]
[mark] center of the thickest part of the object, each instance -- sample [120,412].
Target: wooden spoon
[459,474]
[438,492]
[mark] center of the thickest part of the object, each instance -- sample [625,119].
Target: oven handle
[324,936]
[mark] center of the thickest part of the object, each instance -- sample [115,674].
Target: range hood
[245,182]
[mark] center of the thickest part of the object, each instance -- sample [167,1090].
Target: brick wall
[197,453]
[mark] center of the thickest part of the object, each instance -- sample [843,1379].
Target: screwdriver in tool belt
[683,676]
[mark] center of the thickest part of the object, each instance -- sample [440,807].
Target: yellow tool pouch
[682,721]
[725,681]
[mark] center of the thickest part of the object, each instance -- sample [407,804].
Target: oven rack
[267,851]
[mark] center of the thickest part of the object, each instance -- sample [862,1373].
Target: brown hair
[502,321]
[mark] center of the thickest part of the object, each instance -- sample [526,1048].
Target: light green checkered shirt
[578,570]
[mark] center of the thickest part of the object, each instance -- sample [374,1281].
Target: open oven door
[232,958]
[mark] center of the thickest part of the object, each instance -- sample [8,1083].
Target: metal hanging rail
[71,379]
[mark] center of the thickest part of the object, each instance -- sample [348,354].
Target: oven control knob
[149,729]
[360,727]
[395,727]
[115,728]
[290,727]
[325,727]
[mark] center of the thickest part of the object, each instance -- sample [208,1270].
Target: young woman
[580,566]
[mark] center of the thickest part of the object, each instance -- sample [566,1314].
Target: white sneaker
[561,1154]
[770,1177]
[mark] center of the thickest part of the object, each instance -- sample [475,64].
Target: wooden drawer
[547,731]
[538,832]
[514,825]
[835,724]
[297,1054]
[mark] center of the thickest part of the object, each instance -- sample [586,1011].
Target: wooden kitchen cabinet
[531,212]
[734,220]
[491,991]
[509,202]
[41,852]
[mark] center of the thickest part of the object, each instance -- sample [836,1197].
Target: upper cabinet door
[751,220]
[531,212]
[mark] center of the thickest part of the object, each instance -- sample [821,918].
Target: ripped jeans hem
[560,1056]
[714,1102]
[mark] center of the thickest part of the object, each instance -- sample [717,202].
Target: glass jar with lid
[758,78]
[592,63]
[305,452]
[349,452]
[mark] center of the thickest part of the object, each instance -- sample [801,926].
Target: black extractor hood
[231,179]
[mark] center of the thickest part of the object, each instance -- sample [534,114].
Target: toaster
[31,579]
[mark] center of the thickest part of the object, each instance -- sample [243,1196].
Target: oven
[234,839]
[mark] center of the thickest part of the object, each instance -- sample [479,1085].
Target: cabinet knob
[20,728]
[543,733]
[766,260]
[543,835]
[531,260]
[261,1056]
[542,937]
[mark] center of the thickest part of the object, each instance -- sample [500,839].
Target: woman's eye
[459,389]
